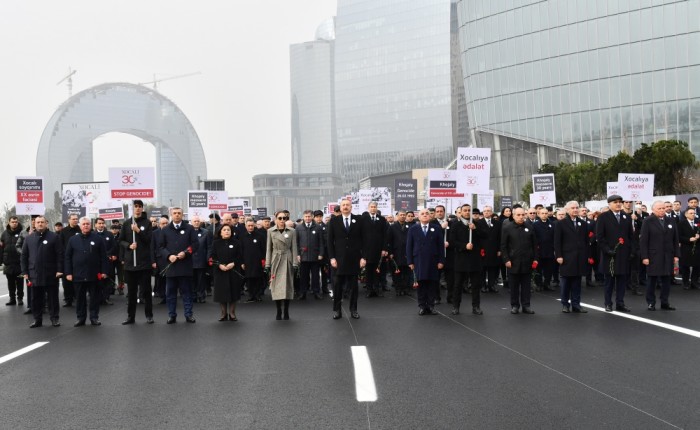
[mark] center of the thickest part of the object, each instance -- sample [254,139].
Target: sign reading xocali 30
[473,170]
[132,182]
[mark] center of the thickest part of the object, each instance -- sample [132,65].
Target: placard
[406,194]
[636,186]
[218,200]
[443,183]
[506,201]
[613,188]
[484,199]
[30,195]
[132,182]
[544,188]
[197,204]
[474,170]
[111,213]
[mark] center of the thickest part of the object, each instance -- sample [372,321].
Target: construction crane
[69,81]
[155,80]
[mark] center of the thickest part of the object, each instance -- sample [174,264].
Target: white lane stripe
[676,328]
[4,295]
[364,377]
[25,350]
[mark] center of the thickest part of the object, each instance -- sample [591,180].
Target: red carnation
[189,249]
[621,241]
[534,265]
[262,262]
[29,284]
[211,261]
[590,234]
[483,252]
[591,261]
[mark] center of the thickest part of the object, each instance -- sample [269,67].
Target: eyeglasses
[283,218]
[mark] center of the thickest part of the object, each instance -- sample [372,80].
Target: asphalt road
[544,371]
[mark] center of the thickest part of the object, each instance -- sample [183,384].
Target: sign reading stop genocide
[132,182]
[473,170]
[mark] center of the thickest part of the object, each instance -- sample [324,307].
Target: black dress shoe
[608,308]
[477,311]
[337,315]
[303,297]
[355,315]
[580,311]
[190,320]
[437,301]
[455,311]
[79,323]
[565,309]
[528,311]
[623,308]
[27,312]
[667,307]
[11,303]
[651,307]
[95,322]
[432,311]
[514,310]
[171,320]
[421,312]
[686,286]
[223,318]
[55,323]
[317,297]
[149,320]
[68,305]
[35,324]
[128,321]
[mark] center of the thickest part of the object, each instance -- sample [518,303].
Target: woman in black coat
[689,235]
[227,259]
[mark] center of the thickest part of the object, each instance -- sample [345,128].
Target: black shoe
[108,302]
[608,308]
[55,323]
[286,316]
[79,323]
[11,303]
[128,321]
[355,315]
[636,292]
[171,320]
[317,296]
[162,302]
[337,315]
[651,307]
[68,305]
[528,311]
[190,320]
[149,320]
[455,311]
[380,294]
[549,288]
[250,300]
[686,286]
[387,289]
[95,322]
[432,311]
[477,311]
[493,290]
[421,312]
[27,312]
[565,309]
[667,307]
[514,310]
[437,301]
[622,308]
[303,297]
[484,290]
[35,324]
[580,311]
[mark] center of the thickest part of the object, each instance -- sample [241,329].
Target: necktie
[425,230]
[575,225]
[488,221]
[308,225]
[617,215]
[347,225]
[177,226]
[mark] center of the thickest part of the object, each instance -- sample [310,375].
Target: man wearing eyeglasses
[345,253]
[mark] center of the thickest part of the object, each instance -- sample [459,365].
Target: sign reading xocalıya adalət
[636,186]
[612,189]
[443,183]
[30,195]
[197,204]
[473,170]
[132,182]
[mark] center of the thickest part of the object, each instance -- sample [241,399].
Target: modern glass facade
[313,104]
[574,79]
[393,91]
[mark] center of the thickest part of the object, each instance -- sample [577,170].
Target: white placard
[484,199]
[612,189]
[197,204]
[218,200]
[443,183]
[132,182]
[30,195]
[543,184]
[473,170]
[636,186]
[541,198]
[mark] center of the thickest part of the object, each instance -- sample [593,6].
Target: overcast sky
[239,104]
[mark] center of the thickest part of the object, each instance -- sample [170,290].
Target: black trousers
[310,274]
[372,276]
[400,280]
[689,278]
[199,283]
[136,279]
[68,290]
[82,289]
[255,287]
[341,282]
[520,284]
[38,292]
[475,279]
[15,286]
[159,287]
[491,274]
[450,282]
[545,271]
[426,293]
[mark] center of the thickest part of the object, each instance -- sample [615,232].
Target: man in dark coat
[492,250]
[544,234]
[107,285]
[519,252]
[468,260]
[253,249]
[178,242]
[615,236]
[345,253]
[374,227]
[325,267]
[86,264]
[659,249]
[42,266]
[11,261]
[310,246]
[397,235]
[688,235]
[425,254]
[135,242]
[67,232]
[159,261]
[200,261]
[571,252]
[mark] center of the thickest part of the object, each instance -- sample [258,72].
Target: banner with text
[30,195]
[406,194]
[116,212]
[505,201]
[612,189]
[484,199]
[636,186]
[218,200]
[474,170]
[197,204]
[543,185]
[132,182]
[84,199]
[443,183]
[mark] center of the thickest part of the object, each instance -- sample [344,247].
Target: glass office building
[570,80]
[393,86]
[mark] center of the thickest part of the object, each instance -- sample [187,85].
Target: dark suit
[86,259]
[690,252]
[571,244]
[254,249]
[178,275]
[310,246]
[544,231]
[519,246]
[373,243]
[608,234]
[396,245]
[424,252]
[41,259]
[345,246]
[492,248]
[658,242]
[468,264]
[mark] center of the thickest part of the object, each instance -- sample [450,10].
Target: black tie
[617,215]
[425,230]
[347,225]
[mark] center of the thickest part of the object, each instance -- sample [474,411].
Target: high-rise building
[312,103]
[574,80]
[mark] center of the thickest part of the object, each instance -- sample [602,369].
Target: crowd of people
[472,251]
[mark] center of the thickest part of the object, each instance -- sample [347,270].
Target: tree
[670,161]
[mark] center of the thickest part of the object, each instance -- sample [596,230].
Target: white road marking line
[676,328]
[364,377]
[22,351]
[4,295]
